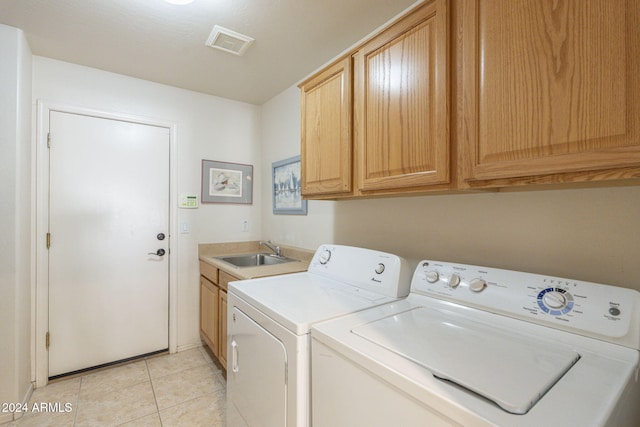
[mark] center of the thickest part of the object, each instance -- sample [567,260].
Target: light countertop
[207,252]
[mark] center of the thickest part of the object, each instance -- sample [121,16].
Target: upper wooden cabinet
[325,151]
[545,91]
[377,121]
[401,98]
[550,88]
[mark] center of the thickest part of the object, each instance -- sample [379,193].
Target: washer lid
[506,367]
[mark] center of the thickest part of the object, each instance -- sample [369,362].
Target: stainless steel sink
[254,260]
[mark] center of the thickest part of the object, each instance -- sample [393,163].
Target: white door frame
[41,220]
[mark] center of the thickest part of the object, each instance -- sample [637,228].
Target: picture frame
[286,187]
[224,182]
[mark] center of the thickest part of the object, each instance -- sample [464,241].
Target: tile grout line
[191,363]
[75,416]
[153,390]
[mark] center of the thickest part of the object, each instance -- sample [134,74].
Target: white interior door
[108,203]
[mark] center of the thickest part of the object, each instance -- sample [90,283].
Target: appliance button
[432,276]
[477,285]
[614,311]
[454,281]
[380,268]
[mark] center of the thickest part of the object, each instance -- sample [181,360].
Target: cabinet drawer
[225,278]
[209,272]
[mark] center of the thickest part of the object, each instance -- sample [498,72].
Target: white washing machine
[477,346]
[269,320]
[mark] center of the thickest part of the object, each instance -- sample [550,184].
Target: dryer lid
[297,301]
[504,366]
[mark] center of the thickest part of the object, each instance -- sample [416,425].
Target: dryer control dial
[324,256]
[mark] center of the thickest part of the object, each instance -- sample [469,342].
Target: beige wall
[281,140]
[15,217]
[588,234]
[207,127]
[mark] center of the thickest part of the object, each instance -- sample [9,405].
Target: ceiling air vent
[228,41]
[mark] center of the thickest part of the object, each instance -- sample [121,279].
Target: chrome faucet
[275,249]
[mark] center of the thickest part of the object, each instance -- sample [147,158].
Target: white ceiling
[164,43]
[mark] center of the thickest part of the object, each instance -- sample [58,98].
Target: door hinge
[47,340]
[48,139]
[48,240]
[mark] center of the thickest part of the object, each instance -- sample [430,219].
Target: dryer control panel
[592,309]
[380,272]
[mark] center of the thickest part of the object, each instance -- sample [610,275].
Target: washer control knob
[454,281]
[477,285]
[554,299]
[324,256]
[432,276]
[380,268]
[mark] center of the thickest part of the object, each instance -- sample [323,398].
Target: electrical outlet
[245,225]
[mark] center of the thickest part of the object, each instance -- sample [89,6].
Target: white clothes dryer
[269,320]
[479,346]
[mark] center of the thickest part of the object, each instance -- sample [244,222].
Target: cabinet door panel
[401,100]
[326,131]
[209,272]
[222,304]
[209,314]
[550,87]
[225,278]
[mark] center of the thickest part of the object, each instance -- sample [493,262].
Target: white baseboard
[28,393]
[8,417]
[189,346]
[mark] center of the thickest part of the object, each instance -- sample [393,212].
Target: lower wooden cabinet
[209,314]
[213,309]
[222,328]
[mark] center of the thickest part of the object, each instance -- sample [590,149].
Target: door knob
[159,252]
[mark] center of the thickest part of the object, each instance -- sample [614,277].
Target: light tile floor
[182,389]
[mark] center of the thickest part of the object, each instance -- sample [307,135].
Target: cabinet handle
[234,357]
